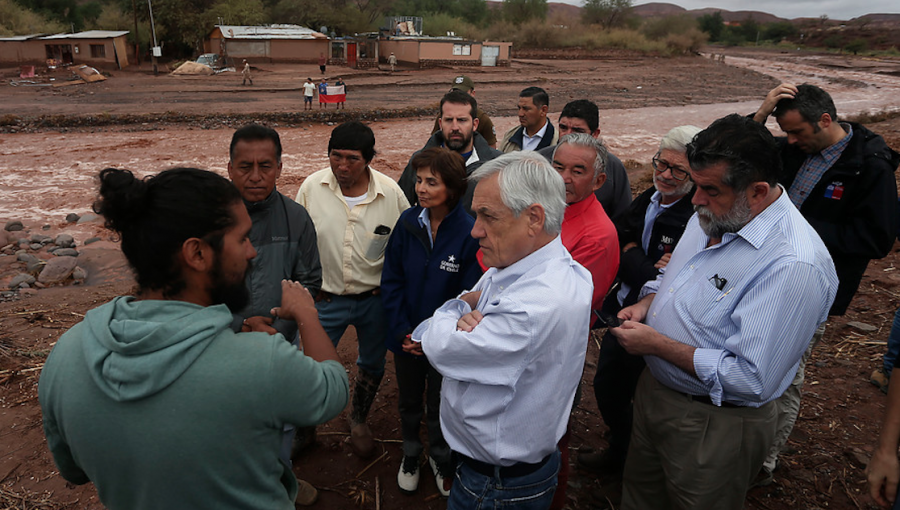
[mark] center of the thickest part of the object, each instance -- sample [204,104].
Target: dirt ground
[53,140]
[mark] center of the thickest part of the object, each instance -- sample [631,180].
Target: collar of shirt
[496,280]
[373,190]
[425,222]
[530,142]
[758,228]
[834,151]
[654,209]
[578,208]
[815,166]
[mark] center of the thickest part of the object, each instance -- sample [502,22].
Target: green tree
[17,20]
[857,45]
[520,11]
[235,12]
[607,13]
[712,24]
[778,31]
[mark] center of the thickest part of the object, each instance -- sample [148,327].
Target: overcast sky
[835,9]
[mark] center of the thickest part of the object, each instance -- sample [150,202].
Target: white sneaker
[443,484]
[408,476]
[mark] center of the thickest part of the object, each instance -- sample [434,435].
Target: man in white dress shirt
[511,350]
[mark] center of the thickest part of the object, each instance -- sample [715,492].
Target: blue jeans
[367,316]
[473,491]
[893,345]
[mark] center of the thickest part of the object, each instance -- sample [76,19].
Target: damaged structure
[268,43]
[97,48]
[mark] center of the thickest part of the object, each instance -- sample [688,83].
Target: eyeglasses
[679,174]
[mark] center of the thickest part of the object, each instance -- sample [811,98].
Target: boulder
[35,246]
[14,226]
[79,273]
[87,218]
[25,257]
[21,278]
[91,240]
[66,252]
[64,241]
[57,270]
[41,239]
[72,217]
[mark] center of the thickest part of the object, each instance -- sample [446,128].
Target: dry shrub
[687,42]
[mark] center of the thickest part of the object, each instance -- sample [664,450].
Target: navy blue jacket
[853,207]
[416,279]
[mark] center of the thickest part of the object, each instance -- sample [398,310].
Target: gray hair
[588,141]
[678,137]
[526,178]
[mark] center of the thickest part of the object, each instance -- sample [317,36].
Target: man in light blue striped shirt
[726,325]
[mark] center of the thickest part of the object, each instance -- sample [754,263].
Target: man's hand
[783,91]
[296,302]
[468,321]
[410,347]
[883,473]
[258,324]
[638,311]
[629,246]
[663,261]
[471,298]
[638,339]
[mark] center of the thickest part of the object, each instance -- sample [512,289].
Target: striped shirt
[749,304]
[815,167]
[509,383]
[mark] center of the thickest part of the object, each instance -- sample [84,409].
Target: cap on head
[463,83]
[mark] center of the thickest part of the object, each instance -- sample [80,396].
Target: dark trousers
[614,384]
[417,378]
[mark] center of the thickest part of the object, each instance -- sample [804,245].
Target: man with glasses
[583,116]
[726,325]
[648,232]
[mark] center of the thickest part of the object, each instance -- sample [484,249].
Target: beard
[457,144]
[682,188]
[732,221]
[232,293]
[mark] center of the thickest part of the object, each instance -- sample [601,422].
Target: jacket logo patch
[450,264]
[835,190]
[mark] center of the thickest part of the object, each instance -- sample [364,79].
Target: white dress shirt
[509,383]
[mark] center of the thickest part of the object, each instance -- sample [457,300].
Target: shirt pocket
[375,245]
[706,307]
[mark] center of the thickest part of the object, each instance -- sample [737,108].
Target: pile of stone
[41,260]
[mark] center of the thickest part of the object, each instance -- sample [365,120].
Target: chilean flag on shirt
[333,94]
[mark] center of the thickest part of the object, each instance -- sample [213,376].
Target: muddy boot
[363,395]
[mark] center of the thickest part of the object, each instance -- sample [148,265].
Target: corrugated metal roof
[90,34]
[21,37]
[269,32]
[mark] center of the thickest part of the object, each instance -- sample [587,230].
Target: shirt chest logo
[450,265]
[835,190]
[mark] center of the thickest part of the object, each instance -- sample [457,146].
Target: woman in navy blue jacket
[430,258]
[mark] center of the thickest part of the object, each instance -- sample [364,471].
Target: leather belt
[327,296]
[516,470]
[704,399]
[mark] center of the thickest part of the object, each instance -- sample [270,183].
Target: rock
[66,252]
[79,273]
[58,269]
[35,246]
[4,238]
[46,227]
[27,292]
[857,456]
[42,239]
[20,279]
[91,240]
[72,217]
[87,218]
[39,285]
[24,240]
[14,226]
[24,256]
[24,285]
[64,241]
[862,326]
[34,266]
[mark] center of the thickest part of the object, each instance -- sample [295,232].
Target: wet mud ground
[47,172]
